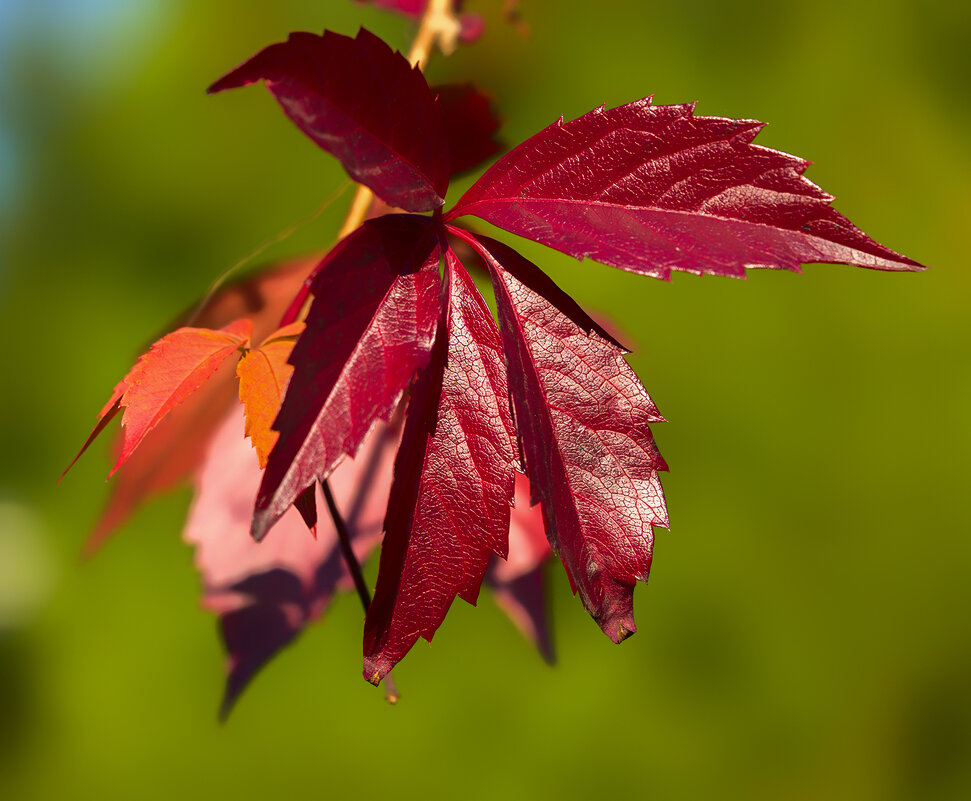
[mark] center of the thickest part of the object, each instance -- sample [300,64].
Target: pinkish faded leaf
[517,581]
[369,329]
[653,189]
[362,102]
[265,593]
[583,419]
[454,477]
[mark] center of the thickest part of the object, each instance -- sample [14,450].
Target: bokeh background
[806,631]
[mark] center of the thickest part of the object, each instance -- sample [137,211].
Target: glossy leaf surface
[449,507]
[362,102]
[583,418]
[369,329]
[653,189]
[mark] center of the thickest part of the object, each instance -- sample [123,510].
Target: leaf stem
[354,566]
[344,537]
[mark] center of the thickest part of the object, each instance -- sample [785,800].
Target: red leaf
[265,593]
[175,447]
[583,419]
[364,104]
[449,505]
[369,329]
[653,189]
[517,581]
[172,369]
[470,125]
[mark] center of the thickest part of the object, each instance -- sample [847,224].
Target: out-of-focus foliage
[804,633]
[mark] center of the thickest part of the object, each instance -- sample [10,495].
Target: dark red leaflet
[369,329]
[362,102]
[583,418]
[449,507]
[653,189]
[470,125]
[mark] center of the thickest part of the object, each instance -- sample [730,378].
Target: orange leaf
[263,377]
[176,446]
[172,369]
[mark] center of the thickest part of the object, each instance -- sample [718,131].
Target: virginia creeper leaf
[369,329]
[265,593]
[362,102]
[172,369]
[583,418]
[653,189]
[263,377]
[454,478]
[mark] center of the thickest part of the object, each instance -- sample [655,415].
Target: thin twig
[344,537]
[354,566]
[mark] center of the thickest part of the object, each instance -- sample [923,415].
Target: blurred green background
[806,631]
